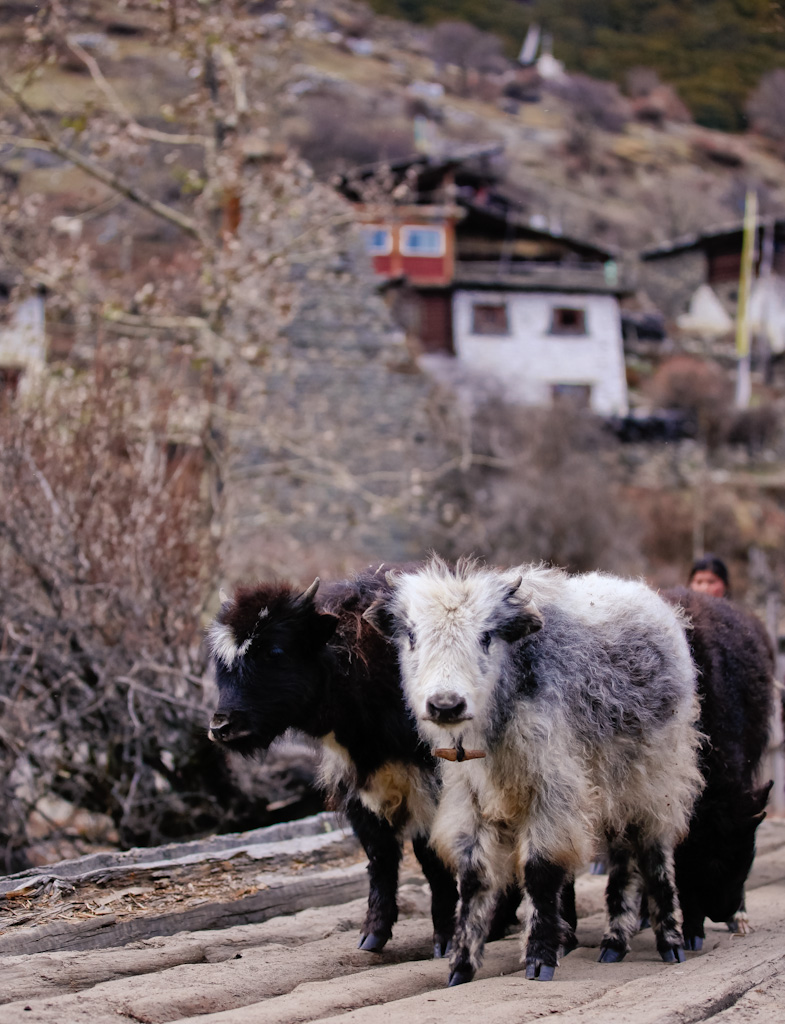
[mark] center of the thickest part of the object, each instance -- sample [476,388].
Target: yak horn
[223,597]
[391,576]
[515,585]
[310,593]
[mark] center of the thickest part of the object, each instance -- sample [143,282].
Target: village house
[469,276]
[694,279]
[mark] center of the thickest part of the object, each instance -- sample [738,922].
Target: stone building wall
[330,444]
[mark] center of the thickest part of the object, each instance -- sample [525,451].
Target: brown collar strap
[458,753]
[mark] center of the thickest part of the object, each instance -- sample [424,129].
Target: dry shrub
[667,520]
[341,134]
[699,388]
[106,556]
[594,103]
[467,48]
[539,484]
[756,429]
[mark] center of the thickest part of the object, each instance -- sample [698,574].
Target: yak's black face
[715,858]
[266,646]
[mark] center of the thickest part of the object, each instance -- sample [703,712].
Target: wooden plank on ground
[280,896]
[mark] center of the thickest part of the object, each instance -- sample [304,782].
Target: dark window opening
[578,395]
[568,320]
[9,380]
[490,318]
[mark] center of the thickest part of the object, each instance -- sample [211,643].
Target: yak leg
[505,912]
[622,900]
[444,894]
[656,864]
[569,914]
[382,845]
[693,918]
[478,894]
[549,932]
[739,924]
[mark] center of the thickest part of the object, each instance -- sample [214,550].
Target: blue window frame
[417,240]
[378,240]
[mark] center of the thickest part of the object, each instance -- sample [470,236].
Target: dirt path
[305,967]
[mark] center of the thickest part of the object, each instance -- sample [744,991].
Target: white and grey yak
[567,706]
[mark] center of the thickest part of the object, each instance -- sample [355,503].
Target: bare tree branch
[113,181]
[129,122]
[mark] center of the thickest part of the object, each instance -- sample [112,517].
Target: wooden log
[316,841]
[281,896]
[212,848]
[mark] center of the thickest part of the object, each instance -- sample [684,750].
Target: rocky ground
[304,966]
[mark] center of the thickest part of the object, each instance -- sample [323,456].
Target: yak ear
[528,620]
[325,625]
[760,798]
[379,616]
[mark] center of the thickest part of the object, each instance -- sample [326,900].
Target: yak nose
[219,726]
[446,708]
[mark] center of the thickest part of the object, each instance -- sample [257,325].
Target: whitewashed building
[469,275]
[543,346]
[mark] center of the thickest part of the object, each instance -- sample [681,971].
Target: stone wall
[330,444]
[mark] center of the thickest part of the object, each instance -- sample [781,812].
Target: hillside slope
[712,51]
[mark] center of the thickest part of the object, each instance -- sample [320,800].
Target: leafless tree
[466,47]
[641,81]
[112,465]
[766,106]
[595,103]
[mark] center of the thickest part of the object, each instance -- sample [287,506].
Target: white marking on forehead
[223,644]
[264,613]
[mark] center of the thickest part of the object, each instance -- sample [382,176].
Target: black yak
[735,665]
[284,662]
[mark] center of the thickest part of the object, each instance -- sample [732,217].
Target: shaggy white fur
[581,690]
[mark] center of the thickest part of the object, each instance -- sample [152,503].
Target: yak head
[453,629]
[266,645]
[714,860]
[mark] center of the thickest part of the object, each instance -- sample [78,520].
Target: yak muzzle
[224,729]
[446,709]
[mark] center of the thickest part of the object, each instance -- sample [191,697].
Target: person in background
[709,575]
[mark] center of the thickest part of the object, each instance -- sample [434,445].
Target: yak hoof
[372,943]
[460,976]
[598,867]
[609,955]
[568,946]
[673,955]
[441,949]
[536,970]
[739,924]
[693,942]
